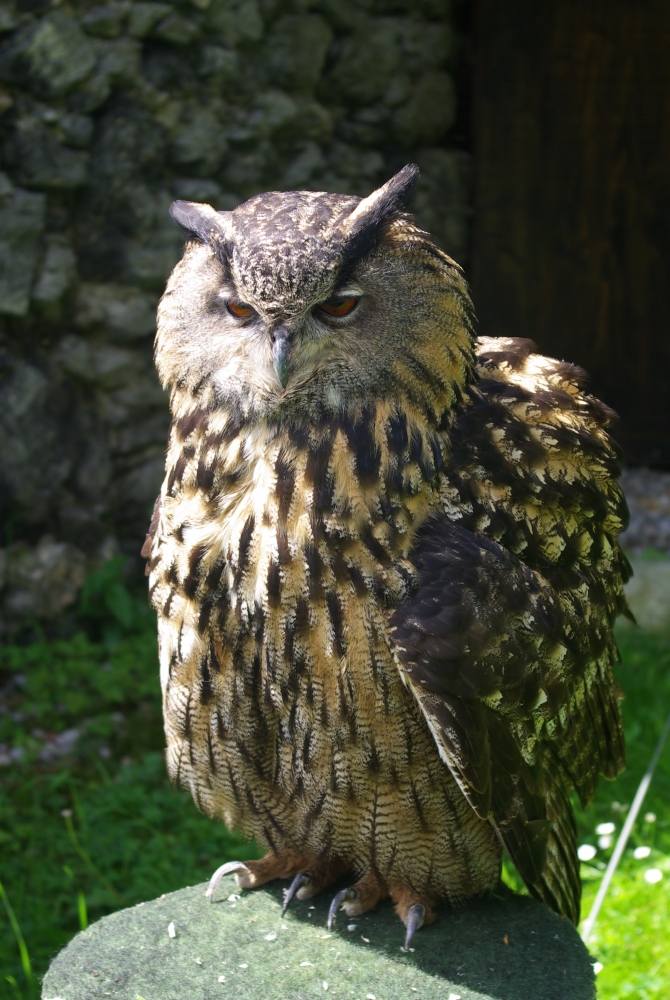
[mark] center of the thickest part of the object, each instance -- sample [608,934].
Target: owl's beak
[281,353]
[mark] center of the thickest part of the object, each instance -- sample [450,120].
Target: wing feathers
[559,884]
[460,727]
[520,706]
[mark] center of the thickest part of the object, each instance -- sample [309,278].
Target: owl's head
[307,302]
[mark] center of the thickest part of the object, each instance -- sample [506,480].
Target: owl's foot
[252,874]
[310,882]
[413,909]
[358,898]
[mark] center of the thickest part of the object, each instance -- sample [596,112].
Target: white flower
[597,967]
[605,842]
[605,829]
[222,979]
[641,852]
[171,931]
[650,817]
[324,984]
[586,852]
[653,875]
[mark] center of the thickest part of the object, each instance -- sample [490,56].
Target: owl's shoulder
[517,385]
[532,463]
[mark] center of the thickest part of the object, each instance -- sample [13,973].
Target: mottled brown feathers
[385,592]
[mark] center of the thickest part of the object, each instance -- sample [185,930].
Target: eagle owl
[383,561]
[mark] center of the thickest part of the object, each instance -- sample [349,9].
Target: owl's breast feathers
[304,570]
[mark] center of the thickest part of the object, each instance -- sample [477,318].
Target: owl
[384,563]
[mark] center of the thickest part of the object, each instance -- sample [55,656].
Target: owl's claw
[227,869]
[342,897]
[301,879]
[415,919]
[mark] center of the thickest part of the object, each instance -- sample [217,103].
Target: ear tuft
[202,221]
[385,201]
[372,213]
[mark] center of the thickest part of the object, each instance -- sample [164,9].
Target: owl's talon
[415,919]
[342,897]
[227,869]
[301,879]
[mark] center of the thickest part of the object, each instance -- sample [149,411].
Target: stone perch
[180,947]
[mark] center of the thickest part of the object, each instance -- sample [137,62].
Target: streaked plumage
[386,590]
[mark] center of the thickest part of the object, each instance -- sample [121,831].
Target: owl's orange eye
[239,309]
[339,306]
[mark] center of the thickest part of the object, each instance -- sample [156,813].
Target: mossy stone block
[181,947]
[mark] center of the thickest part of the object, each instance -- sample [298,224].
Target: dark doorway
[572,197]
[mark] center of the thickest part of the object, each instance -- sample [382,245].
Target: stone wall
[109,112]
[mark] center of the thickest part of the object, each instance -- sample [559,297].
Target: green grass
[89,822]
[632,935]
[631,939]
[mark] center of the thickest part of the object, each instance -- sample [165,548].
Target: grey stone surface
[108,111]
[179,946]
[105,21]
[648,494]
[648,593]
[430,111]
[49,56]
[22,216]
[647,544]
[57,273]
[40,160]
[122,309]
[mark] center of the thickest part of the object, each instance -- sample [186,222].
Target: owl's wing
[514,679]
